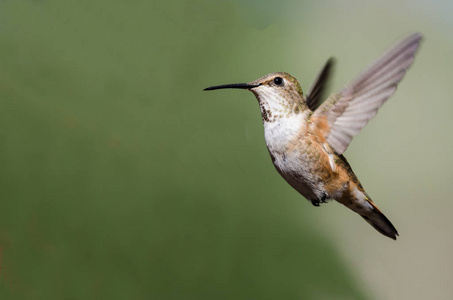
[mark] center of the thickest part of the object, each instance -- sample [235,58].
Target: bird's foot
[317,202]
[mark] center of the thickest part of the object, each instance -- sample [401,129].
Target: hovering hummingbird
[306,140]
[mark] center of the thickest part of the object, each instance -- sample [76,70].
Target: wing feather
[316,92]
[351,109]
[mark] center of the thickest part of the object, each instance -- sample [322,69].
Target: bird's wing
[317,90]
[348,111]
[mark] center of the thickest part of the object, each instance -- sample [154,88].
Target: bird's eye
[278,81]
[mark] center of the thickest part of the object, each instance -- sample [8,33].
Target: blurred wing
[350,110]
[317,90]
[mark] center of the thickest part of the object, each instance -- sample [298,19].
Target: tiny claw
[315,202]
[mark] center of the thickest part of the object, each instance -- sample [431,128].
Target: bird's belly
[301,158]
[300,171]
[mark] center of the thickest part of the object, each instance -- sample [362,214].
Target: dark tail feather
[361,203]
[380,222]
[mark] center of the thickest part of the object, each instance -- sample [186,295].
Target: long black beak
[232,86]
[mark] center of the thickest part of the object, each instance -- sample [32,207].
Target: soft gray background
[121,179]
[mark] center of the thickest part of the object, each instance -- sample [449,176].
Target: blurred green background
[121,179]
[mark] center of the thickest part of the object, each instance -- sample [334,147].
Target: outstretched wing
[317,90]
[350,110]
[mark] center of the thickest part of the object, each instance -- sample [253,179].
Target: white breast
[294,164]
[279,133]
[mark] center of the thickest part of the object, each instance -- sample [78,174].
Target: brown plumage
[306,142]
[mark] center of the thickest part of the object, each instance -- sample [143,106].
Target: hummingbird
[306,138]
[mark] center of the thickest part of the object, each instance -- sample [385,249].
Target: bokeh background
[121,179]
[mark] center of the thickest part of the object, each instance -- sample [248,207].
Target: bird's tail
[380,222]
[361,203]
